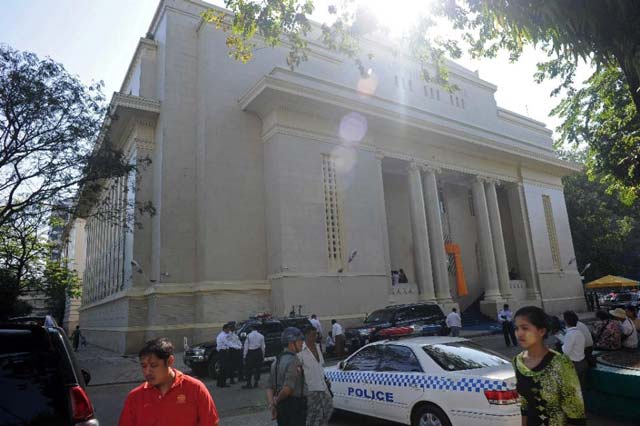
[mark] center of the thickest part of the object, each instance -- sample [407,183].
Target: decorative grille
[332,214]
[551,230]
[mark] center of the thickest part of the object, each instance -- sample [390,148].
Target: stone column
[384,231]
[518,203]
[421,252]
[492,292]
[498,238]
[436,236]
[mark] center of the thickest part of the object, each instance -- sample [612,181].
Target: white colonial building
[267,181]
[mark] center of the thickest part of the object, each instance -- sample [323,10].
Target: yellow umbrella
[611,281]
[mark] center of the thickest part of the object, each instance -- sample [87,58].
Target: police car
[427,381]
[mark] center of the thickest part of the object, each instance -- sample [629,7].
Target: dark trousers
[581,370]
[292,411]
[509,333]
[235,364]
[253,365]
[223,359]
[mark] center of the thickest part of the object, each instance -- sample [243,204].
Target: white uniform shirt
[330,341]
[233,341]
[313,369]
[221,341]
[336,329]
[628,329]
[573,345]
[508,316]
[454,320]
[316,324]
[254,340]
[588,339]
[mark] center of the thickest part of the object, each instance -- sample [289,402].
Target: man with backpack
[287,389]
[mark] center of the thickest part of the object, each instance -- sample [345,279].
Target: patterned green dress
[550,393]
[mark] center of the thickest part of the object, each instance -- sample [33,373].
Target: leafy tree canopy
[601,112]
[49,123]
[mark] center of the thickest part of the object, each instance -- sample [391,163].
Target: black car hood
[207,345]
[368,325]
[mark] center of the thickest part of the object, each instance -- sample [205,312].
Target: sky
[96,39]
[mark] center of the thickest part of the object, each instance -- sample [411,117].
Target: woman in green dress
[547,382]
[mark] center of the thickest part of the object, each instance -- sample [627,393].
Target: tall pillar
[421,252]
[384,231]
[492,292]
[436,236]
[527,261]
[498,238]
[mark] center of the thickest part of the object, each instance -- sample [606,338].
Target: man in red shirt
[168,397]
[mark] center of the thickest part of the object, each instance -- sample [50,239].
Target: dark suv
[203,357]
[40,381]
[422,318]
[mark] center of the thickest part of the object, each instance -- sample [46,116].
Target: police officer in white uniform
[253,354]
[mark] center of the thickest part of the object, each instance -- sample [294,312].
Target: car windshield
[381,315]
[458,356]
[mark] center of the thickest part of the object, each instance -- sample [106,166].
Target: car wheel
[430,415]
[213,367]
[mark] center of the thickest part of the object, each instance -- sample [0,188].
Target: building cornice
[347,98]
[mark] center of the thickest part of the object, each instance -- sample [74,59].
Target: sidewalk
[107,367]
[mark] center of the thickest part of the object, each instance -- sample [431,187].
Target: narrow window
[551,230]
[472,210]
[431,90]
[426,92]
[332,214]
[457,102]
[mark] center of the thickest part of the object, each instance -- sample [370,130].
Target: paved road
[241,407]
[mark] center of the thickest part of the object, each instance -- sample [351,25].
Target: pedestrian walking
[286,391]
[574,345]
[505,316]
[168,397]
[454,322]
[338,337]
[546,380]
[253,354]
[223,356]
[76,336]
[235,354]
[319,399]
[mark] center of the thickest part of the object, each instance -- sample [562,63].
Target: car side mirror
[86,376]
[341,365]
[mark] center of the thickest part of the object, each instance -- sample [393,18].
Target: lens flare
[353,127]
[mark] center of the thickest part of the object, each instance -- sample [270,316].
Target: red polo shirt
[187,403]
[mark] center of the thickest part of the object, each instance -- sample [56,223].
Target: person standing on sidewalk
[505,316]
[338,337]
[223,356]
[286,391]
[168,397]
[76,336]
[318,326]
[319,399]
[454,322]
[574,345]
[546,380]
[253,354]
[235,354]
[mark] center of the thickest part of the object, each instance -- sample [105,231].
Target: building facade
[275,189]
